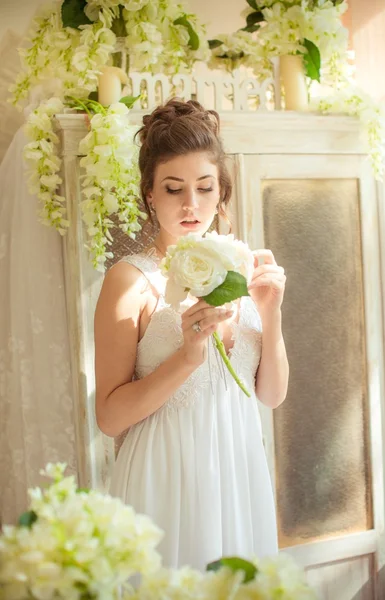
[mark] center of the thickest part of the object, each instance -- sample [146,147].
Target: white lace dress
[197,466]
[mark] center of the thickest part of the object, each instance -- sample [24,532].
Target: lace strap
[148,264]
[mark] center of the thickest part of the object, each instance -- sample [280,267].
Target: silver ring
[196,327]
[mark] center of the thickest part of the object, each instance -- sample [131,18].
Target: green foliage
[27,519]
[73,15]
[194,38]
[214,44]
[233,287]
[129,101]
[235,564]
[312,60]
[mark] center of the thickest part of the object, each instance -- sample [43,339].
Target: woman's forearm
[134,401]
[273,371]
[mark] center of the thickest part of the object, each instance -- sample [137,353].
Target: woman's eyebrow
[182,180]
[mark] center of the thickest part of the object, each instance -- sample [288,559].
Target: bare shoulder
[118,312]
[124,286]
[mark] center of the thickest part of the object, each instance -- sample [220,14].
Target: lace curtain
[36,422]
[10,117]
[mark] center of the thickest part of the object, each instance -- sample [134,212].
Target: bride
[193,458]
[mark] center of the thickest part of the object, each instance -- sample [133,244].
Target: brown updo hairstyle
[179,127]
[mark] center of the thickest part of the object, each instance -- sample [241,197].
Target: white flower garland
[111,182]
[229,51]
[286,25]
[163,37]
[71,57]
[355,102]
[282,27]
[160,36]
[96,44]
[41,155]
[48,45]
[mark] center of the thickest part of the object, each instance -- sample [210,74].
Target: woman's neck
[162,241]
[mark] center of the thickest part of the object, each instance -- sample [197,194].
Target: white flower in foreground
[80,545]
[192,267]
[181,584]
[279,578]
[223,584]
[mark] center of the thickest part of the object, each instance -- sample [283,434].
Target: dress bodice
[163,337]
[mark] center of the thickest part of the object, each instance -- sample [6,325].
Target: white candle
[293,80]
[110,85]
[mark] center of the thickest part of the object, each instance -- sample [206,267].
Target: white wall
[221,16]
[367,29]
[16,15]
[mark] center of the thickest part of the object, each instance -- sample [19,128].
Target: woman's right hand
[208,317]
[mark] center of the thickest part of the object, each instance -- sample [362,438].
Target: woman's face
[185,194]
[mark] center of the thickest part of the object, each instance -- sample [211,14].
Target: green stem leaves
[222,351]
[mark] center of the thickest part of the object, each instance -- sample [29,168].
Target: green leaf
[93,96]
[83,490]
[129,101]
[27,519]
[194,38]
[73,15]
[253,18]
[233,287]
[312,60]
[118,25]
[253,4]
[233,56]
[235,564]
[251,29]
[214,44]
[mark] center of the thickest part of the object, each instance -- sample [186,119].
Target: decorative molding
[271,132]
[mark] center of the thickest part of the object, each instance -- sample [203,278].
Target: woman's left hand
[267,286]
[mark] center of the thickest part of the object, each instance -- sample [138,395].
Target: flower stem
[222,351]
[80,103]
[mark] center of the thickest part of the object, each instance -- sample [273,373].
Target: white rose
[235,254]
[194,269]
[245,260]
